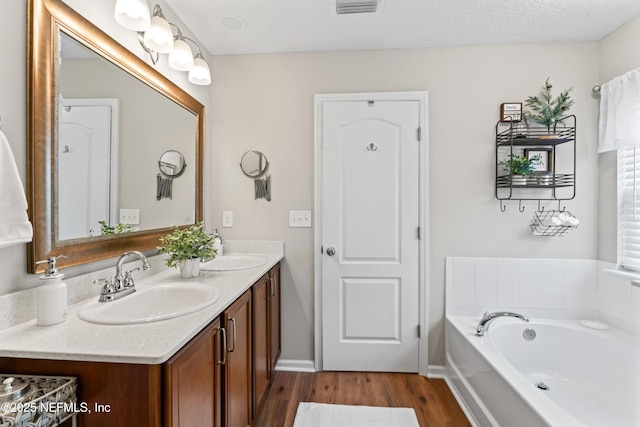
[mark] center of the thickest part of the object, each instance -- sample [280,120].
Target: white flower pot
[189,268]
[519,180]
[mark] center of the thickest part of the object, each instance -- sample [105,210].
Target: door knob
[331,251]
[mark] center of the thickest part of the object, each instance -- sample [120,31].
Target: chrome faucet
[487,317]
[121,285]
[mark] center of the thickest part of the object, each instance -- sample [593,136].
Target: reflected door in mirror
[86,184]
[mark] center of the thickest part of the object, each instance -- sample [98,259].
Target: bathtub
[593,377]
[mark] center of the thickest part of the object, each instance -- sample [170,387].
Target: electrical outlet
[300,219]
[227,219]
[130,216]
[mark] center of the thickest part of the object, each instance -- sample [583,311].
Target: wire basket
[50,402]
[543,223]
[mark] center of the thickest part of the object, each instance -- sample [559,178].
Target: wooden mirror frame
[45,18]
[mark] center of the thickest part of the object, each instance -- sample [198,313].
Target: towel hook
[502,207]
[520,207]
[372,147]
[563,208]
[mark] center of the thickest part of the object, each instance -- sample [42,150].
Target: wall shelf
[556,182]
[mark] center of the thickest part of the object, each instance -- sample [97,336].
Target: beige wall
[619,54]
[265,102]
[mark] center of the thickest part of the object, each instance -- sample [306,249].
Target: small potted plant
[186,247]
[546,110]
[520,168]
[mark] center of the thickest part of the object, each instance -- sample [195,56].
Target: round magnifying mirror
[172,163]
[254,164]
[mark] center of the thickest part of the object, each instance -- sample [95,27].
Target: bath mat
[329,415]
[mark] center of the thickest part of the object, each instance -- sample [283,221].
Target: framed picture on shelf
[546,158]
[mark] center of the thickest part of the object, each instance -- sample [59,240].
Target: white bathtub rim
[549,411]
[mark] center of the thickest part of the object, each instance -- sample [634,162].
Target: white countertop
[147,343]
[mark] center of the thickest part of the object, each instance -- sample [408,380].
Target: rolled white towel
[572,221]
[555,221]
[564,218]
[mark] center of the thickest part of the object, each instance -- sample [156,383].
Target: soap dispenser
[51,295]
[218,243]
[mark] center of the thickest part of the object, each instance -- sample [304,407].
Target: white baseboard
[436,371]
[295,365]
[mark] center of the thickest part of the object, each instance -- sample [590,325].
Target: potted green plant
[186,247]
[546,110]
[520,168]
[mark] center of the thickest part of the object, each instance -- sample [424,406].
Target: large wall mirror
[99,118]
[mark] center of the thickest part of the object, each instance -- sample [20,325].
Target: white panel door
[84,170]
[370,218]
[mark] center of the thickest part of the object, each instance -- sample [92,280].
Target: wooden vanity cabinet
[238,378]
[192,382]
[266,334]
[218,379]
[274,318]
[261,363]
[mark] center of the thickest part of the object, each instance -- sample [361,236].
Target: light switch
[227,219]
[300,219]
[130,216]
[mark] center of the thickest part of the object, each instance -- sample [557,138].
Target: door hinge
[419,233]
[419,133]
[419,332]
[322,249]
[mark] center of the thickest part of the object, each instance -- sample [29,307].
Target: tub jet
[529,334]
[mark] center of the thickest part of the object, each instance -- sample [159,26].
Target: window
[629,208]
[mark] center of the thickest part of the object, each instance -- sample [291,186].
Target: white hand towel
[15,227]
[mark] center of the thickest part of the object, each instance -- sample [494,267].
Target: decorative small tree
[186,244]
[520,165]
[546,110]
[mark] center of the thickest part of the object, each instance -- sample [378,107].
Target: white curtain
[620,112]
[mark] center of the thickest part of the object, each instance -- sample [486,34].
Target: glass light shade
[159,37]
[181,57]
[200,74]
[133,14]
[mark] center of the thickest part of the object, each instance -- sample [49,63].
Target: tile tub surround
[551,288]
[150,343]
[618,301]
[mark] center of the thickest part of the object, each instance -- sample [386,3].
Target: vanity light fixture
[181,57]
[133,14]
[158,37]
[200,74]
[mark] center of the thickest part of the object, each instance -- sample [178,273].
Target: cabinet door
[274,318]
[261,363]
[237,321]
[192,382]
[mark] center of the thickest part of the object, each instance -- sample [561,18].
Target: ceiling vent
[343,7]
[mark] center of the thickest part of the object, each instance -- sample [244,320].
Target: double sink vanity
[197,352]
[174,353]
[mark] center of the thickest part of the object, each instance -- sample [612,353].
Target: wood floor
[432,400]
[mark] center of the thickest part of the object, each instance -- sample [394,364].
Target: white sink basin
[232,262]
[156,302]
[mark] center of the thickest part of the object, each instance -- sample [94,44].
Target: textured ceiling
[311,25]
